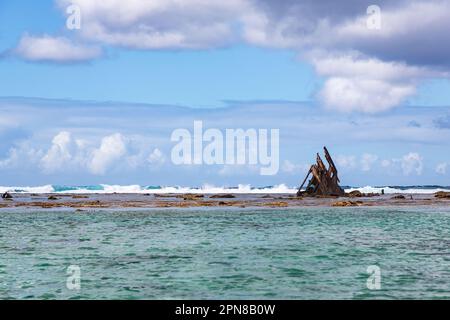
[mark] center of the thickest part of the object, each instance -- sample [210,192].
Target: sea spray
[240,189]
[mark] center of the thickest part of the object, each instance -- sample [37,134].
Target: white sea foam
[119,189]
[204,189]
[39,189]
[106,188]
[242,189]
[390,190]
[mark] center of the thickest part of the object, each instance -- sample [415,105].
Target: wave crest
[242,188]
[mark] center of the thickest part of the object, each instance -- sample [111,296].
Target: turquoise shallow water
[308,253]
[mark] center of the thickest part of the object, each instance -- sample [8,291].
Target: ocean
[233,253]
[239,189]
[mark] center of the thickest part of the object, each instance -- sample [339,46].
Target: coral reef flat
[87,201]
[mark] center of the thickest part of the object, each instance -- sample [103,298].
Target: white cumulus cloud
[59,153]
[364,70]
[54,49]
[112,149]
[346,162]
[293,168]
[367,161]
[358,83]
[158,24]
[412,163]
[441,168]
[156,157]
[375,70]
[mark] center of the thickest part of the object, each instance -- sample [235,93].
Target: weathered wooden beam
[330,163]
[316,174]
[320,163]
[303,183]
[324,180]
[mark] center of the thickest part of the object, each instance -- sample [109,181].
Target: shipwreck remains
[324,181]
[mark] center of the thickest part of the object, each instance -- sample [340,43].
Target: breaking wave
[281,188]
[400,189]
[106,188]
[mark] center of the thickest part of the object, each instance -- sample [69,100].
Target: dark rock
[164,195]
[398,197]
[190,196]
[276,204]
[359,194]
[355,193]
[52,198]
[442,195]
[6,195]
[222,196]
[347,204]
[371,194]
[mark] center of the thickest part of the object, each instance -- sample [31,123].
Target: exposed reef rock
[222,196]
[347,203]
[7,195]
[190,196]
[442,195]
[355,194]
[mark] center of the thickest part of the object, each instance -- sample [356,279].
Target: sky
[97,102]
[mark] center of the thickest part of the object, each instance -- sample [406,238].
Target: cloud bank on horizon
[364,69]
[71,142]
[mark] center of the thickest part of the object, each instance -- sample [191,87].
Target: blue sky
[197,78]
[135,72]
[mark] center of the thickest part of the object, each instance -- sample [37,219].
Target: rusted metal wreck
[324,181]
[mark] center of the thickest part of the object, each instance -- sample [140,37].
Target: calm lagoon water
[304,253]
